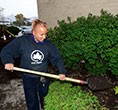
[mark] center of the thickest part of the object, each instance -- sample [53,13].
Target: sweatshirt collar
[35,40]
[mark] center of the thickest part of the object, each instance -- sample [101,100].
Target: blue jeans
[35,91]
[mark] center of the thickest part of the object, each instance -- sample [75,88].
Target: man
[34,52]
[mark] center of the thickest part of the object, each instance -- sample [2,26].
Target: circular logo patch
[37,56]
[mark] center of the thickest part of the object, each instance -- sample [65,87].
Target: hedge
[93,39]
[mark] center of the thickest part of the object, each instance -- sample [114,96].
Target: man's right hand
[9,66]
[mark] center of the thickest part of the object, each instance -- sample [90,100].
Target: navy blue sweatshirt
[34,56]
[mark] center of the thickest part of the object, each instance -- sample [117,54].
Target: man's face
[40,33]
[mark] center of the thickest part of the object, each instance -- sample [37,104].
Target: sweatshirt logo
[37,56]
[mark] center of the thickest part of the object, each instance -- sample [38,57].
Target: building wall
[52,10]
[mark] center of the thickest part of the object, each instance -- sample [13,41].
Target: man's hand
[9,66]
[62,76]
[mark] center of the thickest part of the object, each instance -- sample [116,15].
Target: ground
[11,91]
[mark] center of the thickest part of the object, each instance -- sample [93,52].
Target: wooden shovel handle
[49,75]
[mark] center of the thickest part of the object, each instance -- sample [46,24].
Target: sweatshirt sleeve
[10,51]
[56,59]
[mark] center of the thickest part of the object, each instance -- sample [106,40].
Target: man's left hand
[62,76]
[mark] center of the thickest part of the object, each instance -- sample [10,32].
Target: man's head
[39,30]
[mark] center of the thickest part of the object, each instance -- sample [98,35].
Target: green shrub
[116,90]
[62,96]
[93,39]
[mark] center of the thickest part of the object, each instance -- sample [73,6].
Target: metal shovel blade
[98,83]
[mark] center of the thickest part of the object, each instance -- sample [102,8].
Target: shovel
[94,83]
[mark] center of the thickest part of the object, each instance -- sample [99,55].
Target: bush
[116,90]
[93,39]
[62,96]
